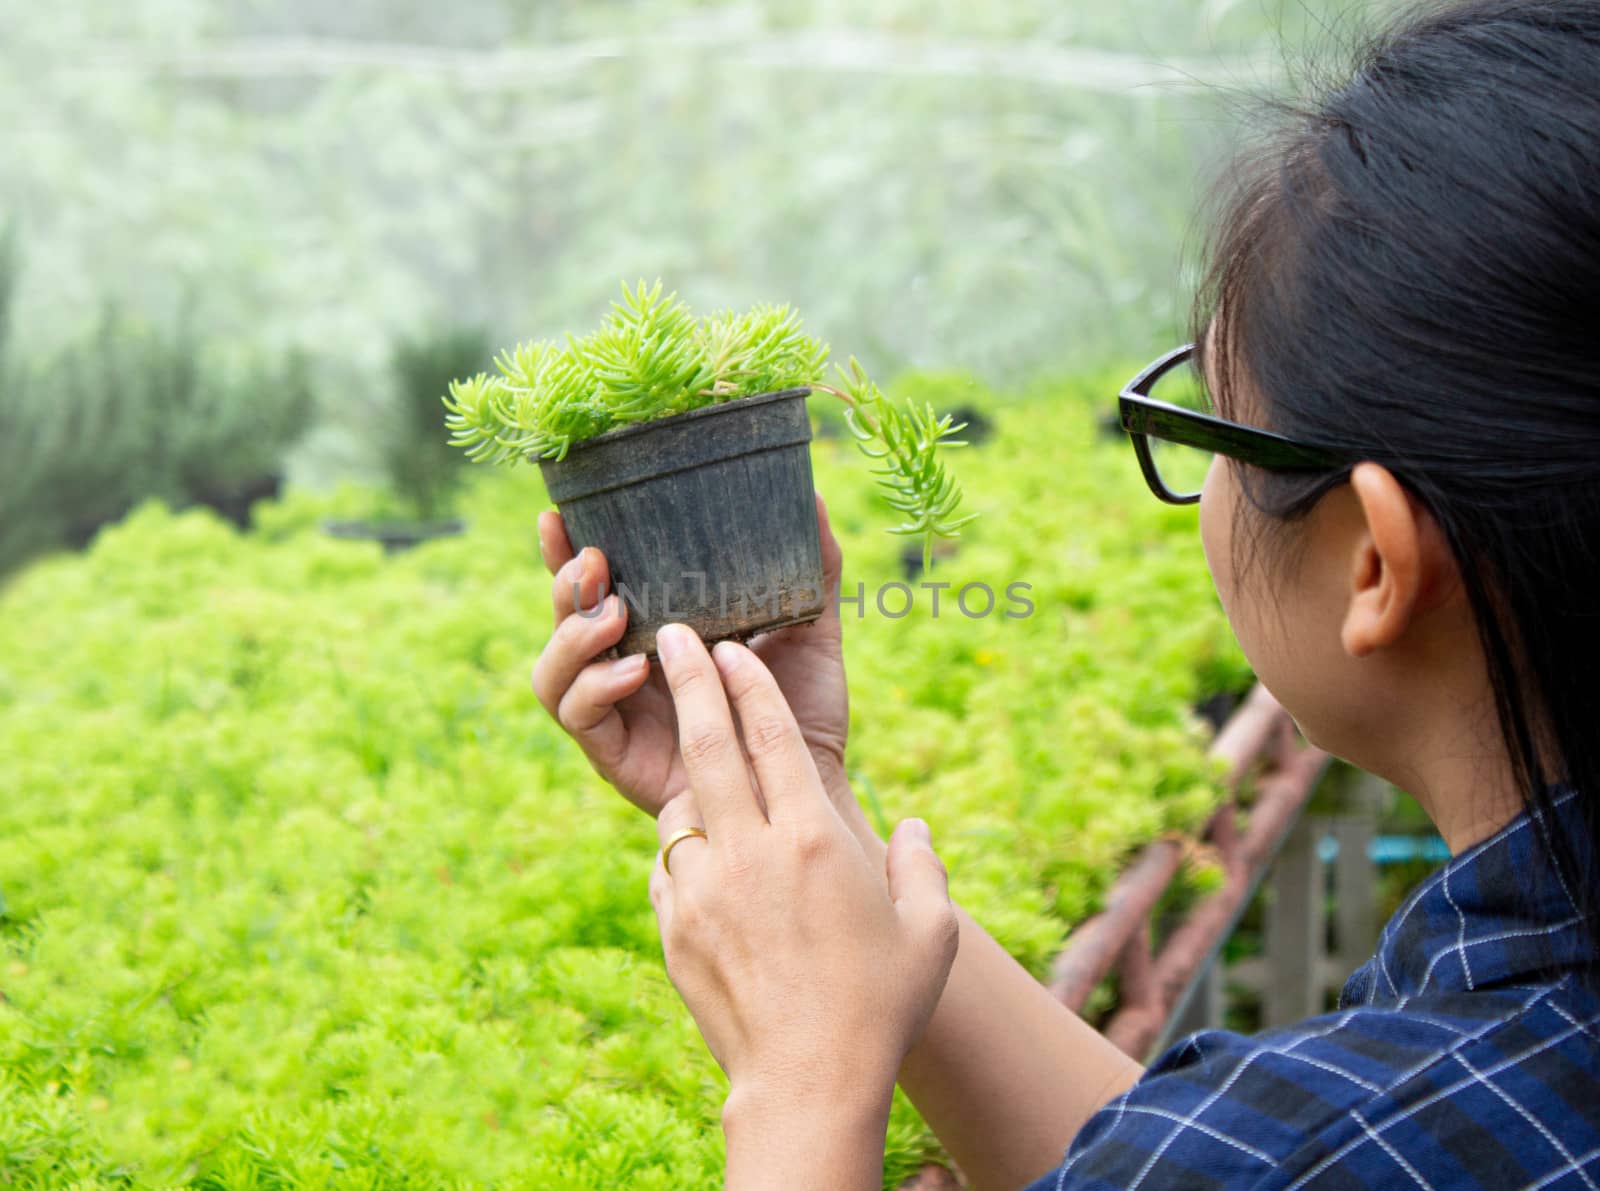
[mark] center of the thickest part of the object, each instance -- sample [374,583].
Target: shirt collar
[1496,914]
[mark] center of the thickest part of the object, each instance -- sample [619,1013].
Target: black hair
[1406,266]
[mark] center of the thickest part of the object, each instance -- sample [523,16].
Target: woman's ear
[1400,564]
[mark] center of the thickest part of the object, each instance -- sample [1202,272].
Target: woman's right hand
[621,712]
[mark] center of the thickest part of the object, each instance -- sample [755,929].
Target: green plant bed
[302,887]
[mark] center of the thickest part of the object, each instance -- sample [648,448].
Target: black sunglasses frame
[1143,416]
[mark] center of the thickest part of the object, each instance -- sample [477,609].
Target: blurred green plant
[242,417]
[424,469]
[134,411]
[651,358]
[21,460]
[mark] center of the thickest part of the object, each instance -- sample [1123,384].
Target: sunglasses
[1159,429]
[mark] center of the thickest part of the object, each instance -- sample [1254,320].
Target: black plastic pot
[234,503]
[978,427]
[394,535]
[1216,708]
[911,557]
[707,518]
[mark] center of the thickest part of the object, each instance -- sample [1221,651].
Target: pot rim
[715,407]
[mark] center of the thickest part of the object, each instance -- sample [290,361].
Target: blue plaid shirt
[1464,1054]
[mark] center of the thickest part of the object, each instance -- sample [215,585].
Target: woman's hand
[809,980]
[621,712]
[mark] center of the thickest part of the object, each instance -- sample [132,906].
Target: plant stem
[851,402]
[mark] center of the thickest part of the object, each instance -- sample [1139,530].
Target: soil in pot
[707,518]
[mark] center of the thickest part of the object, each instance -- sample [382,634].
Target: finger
[919,884]
[580,583]
[554,544]
[572,646]
[681,812]
[771,737]
[588,711]
[706,739]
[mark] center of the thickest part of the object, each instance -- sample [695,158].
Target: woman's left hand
[809,980]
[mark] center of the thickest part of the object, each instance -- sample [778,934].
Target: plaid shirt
[1458,1057]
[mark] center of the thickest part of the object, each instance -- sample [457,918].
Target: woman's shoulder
[1494,1088]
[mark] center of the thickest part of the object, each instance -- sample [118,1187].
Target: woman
[1405,281]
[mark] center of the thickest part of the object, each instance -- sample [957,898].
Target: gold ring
[677,838]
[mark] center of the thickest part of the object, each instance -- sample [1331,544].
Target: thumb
[919,886]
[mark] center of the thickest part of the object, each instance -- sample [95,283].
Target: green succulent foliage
[652,358]
[918,483]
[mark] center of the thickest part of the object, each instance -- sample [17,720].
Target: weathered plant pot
[707,518]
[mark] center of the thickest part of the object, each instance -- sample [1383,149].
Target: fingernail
[919,828]
[627,665]
[727,656]
[669,641]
